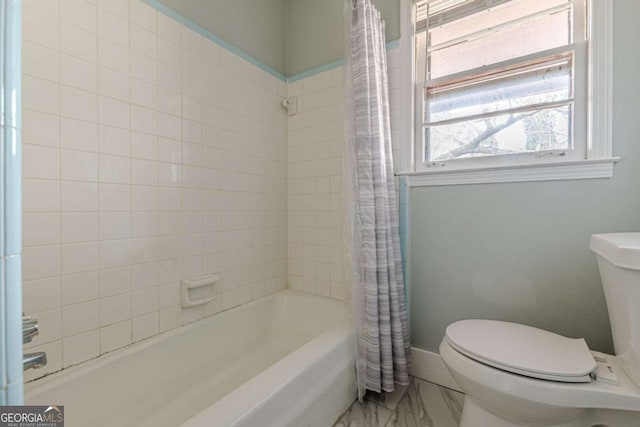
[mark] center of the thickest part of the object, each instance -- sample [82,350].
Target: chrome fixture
[34,360]
[29,331]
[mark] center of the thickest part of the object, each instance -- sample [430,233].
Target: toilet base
[473,415]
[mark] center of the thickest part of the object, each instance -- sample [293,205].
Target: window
[508,84]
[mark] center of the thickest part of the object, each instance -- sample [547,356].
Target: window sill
[556,171]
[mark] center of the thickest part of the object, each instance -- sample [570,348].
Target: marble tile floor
[421,404]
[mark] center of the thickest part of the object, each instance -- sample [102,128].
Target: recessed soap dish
[199,290]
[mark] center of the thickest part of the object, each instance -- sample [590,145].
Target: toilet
[516,375]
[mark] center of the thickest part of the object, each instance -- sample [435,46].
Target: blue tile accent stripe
[331,65]
[11,386]
[405,235]
[316,70]
[393,44]
[209,35]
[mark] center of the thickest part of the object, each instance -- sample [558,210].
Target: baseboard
[429,366]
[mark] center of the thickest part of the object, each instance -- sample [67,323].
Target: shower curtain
[372,231]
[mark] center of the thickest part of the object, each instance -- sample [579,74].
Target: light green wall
[257,27]
[519,252]
[315,31]
[290,36]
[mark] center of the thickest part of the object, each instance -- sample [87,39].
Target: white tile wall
[315,192]
[315,185]
[150,155]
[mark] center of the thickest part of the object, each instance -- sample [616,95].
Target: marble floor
[421,404]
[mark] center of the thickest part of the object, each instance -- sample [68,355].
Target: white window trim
[599,157]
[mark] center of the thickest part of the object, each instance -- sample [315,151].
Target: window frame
[595,159]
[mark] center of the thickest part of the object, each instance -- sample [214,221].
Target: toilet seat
[480,379]
[523,350]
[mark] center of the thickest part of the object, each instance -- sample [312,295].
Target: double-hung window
[503,84]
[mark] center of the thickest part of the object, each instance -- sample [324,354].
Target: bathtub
[285,360]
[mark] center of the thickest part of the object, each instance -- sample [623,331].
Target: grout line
[98,213]
[129,265]
[60,210]
[157,166]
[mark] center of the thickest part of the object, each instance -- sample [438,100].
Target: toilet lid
[523,350]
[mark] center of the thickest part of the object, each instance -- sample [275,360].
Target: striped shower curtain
[378,297]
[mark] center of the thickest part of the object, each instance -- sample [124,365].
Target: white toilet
[515,375]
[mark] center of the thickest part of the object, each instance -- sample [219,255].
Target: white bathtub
[282,361]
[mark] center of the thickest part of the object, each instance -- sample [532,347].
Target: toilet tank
[618,256]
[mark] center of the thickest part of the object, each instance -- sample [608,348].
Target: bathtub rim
[241,402]
[50,381]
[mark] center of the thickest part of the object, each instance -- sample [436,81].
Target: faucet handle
[29,329]
[28,321]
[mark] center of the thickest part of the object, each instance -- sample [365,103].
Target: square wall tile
[145,326]
[40,61]
[78,42]
[78,135]
[40,28]
[78,73]
[79,257]
[115,336]
[41,262]
[40,229]
[113,27]
[79,348]
[41,294]
[80,288]
[78,104]
[80,318]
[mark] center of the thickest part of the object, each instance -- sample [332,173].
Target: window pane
[492,17]
[531,131]
[501,45]
[543,81]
